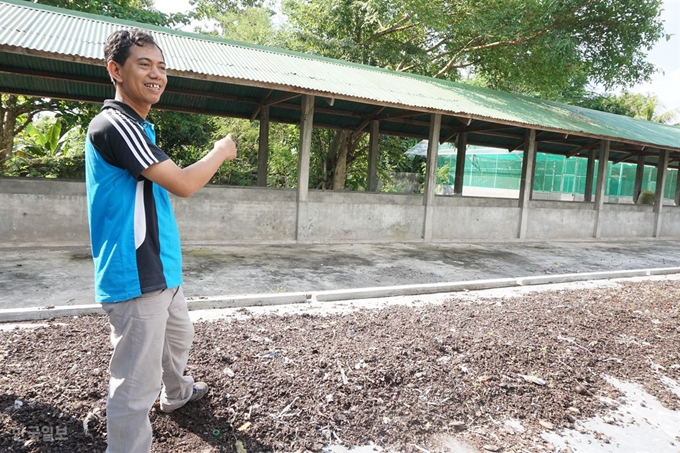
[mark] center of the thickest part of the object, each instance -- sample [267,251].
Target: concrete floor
[42,276]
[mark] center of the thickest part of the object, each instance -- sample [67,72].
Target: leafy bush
[62,167]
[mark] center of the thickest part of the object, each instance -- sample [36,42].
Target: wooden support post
[306,125]
[263,151]
[431,175]
[461,149]
[526,184]
[590,173]
[677,189]
[660,187]
[601,184]
[372,183]
[639,174]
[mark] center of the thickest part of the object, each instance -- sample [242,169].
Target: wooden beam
[450,132]
[431,176]
[372,180]
[263,148]
[371,118]
[628,155]
[461,149]
[639,173]
[578,150]
[660,187]
[284,98]
[306,125]
[259,107]
[527,181]
[603,160]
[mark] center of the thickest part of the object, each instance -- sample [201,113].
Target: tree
[647,107]
[525,46]
[512,43]
[17,112]
[641,106]
[211,9]
[136,10]
[45,148]
[183,136]
[252,24]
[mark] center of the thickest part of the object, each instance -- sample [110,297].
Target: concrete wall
[670,226]
[54,212]
[463,218]
[622,221]
[42,211]
[560,220]
[360,216]
[237,214]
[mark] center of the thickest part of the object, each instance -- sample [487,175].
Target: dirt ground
[398,377]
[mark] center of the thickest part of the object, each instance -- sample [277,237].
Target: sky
[665,54]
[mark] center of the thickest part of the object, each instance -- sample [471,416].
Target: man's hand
[185,181]
[226,147]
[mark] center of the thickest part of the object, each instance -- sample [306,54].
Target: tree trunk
[11,109]
[8,119]
[341,153]
[340,171]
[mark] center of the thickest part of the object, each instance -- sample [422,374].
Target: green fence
[556,174]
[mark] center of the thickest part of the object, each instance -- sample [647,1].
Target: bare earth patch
[398,377]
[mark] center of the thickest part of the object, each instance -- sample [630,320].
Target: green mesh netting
[556,174]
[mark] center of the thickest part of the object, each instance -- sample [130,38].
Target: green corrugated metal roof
[61,53]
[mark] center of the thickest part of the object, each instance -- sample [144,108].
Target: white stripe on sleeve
[133,138]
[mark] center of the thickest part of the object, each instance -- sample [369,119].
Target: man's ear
[114,72]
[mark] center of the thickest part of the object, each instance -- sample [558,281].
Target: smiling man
[135,243]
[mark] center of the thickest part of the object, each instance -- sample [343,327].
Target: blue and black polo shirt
[133,232]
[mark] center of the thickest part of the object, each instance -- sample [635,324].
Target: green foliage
[392,157]
[357,168]
[641,106]
[42,150]
[284,140]
[524,46]
[548,49]
[17,112]
[515,45]
[647,107]
[212,9]
[183,135]
[249,22]
[252,25]
[36,143]
[241,171]
[444,175]
[646,197]
[135,10]
[61,166]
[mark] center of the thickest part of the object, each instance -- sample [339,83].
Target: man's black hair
[118,44]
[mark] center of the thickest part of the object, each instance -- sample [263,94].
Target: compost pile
[399,377]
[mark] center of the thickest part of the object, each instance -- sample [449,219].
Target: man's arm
[183,182]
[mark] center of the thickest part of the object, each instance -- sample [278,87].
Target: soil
[398,377]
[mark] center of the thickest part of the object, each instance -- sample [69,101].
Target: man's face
[142,79]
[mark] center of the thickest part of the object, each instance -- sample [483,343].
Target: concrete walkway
[32,278]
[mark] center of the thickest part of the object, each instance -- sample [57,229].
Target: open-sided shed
[58,53]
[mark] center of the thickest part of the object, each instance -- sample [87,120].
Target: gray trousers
[151,337]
